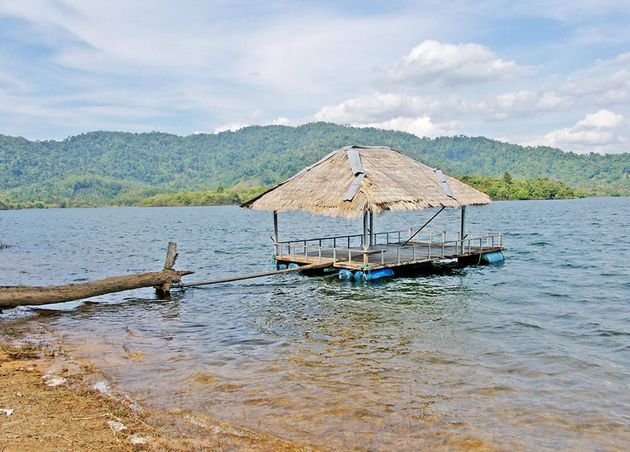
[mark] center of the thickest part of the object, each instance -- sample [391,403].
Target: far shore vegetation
[158,169]
[508,188]
[503,188]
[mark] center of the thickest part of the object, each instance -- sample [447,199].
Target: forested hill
[111,167]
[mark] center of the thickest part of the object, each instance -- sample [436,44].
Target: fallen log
[13,296]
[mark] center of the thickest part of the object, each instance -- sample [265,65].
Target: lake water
[533,354]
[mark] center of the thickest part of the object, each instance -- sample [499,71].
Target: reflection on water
[533,354]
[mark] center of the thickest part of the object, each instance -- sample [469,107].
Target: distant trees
[114,168]
[508,188]
[218,197]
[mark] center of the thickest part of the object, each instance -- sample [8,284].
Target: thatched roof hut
[354,179]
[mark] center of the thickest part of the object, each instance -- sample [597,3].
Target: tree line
[118,168]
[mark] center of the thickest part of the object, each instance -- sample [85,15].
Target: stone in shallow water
[116,426]
[54,380]
[138,440]
[103,388]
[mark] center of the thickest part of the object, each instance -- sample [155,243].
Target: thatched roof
[354,178]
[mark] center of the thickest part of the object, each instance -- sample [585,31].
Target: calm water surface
[533,354]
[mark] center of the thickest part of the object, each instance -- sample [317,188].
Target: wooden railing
[385,237]
[429,245]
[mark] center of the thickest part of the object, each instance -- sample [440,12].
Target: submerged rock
[116,426]
[54,380]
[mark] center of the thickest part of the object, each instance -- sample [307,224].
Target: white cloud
[525,103]
[379,107]
[213,60]
[597,132]
[67,66]
[603,119]
[376,106]
[422,126]
[10,82]
[231,127]
[517,116]
[399,107]
[604,83]
[234,126]
[433,62]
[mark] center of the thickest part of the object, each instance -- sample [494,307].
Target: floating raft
[368,180]
[395,256]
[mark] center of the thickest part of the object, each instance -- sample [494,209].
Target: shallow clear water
[531,354]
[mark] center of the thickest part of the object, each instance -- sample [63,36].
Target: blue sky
[535,72]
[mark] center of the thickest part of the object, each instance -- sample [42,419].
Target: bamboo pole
[254,275]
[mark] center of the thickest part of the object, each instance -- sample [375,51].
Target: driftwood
[13,296]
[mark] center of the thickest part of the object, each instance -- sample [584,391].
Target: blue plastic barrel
[345,275]
[378,274]
[293,265]
[492,258]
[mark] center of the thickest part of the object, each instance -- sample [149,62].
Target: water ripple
[531,355]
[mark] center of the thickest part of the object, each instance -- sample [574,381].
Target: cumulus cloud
[408,100]
[433,62]
[604,83]
[597,132]
[68,66]
[214,62]
[525,103]
[234,126]
[422,126]
[375,107]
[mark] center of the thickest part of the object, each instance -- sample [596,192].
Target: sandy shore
[49,401]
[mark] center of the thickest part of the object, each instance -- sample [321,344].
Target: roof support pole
[275,230]
[371,228]
[463,228]
[365,229]
[423,226]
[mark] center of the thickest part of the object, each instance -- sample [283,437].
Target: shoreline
[50,401]
[126,206]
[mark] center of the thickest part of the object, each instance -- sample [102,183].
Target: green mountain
[99,168]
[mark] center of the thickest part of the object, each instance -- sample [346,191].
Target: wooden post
[169,263]
[171,256]
[462,230]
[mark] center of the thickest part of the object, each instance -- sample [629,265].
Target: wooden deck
[387,255]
